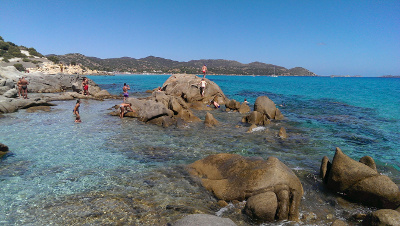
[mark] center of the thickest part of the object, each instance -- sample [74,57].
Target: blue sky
[327,37]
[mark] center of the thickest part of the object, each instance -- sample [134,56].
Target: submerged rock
[203,220]
[359,182]
[263,182]
[3,149]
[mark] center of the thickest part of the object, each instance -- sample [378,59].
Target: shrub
[33,52]
[26,60]
[54,59]
[19,67]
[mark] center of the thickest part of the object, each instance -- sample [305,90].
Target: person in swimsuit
[76,108]
[202,86]
[24,86]
[125,91]
[85,85]
[123,107]
[204,70]
[19,87]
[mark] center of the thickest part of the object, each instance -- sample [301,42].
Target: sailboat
[274,74]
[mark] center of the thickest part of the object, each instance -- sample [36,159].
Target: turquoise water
[106,170]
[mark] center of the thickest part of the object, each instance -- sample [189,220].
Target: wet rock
[282,133]
[38,108]
[210,121]
[222,203]
[339,223]
[203,220]
[3,149]
[359,182]
[233,177]
[383,217]
[244,108]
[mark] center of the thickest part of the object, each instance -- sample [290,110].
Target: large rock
[265,106]
[148,109]
[187,87]
[233,177]
[359,182]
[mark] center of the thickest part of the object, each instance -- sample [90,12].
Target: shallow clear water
[63,172]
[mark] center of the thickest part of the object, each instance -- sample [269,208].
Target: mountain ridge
[153,64]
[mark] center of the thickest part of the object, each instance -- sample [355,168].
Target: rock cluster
[265,110]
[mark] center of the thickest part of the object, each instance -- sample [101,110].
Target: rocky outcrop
[272,190]
[187,87]
[39,85]
[265,110]
[359,182]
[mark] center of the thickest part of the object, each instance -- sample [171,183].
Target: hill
[23,57]
[152,64]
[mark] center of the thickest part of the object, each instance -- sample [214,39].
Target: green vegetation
[9,50]
[54,59]
[33,52]
[19,67]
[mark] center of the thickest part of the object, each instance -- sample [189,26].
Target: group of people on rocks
[125,107]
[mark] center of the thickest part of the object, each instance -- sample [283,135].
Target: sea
[112,171]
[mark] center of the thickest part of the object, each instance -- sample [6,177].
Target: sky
[332,37]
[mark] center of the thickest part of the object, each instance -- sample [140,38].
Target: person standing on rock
[24,86]
[125,91]
[204,70]
[202,86]
[19,87]
[85,86]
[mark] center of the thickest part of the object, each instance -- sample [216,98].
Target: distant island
[28,59]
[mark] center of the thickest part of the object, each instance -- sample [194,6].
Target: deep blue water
[54,161]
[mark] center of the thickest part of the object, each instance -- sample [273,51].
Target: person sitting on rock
[216,105]
[123,107]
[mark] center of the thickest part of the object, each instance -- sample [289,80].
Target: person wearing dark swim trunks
[24,86]
[125,91]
